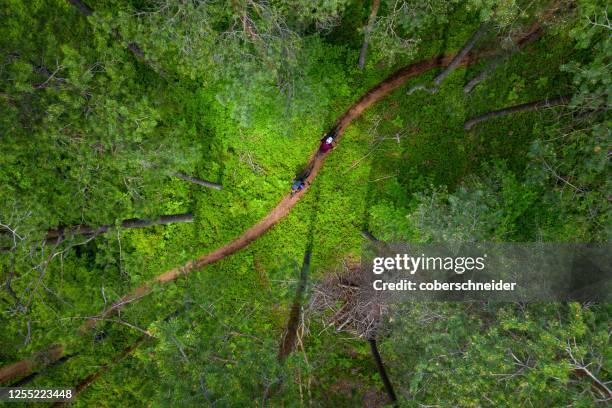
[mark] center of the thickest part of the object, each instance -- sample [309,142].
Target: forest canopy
[153,253]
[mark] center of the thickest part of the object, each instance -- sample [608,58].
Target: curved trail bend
[288,202]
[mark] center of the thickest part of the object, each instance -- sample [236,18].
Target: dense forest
[152,252]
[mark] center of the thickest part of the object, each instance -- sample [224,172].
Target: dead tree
[31,377]
[455,62]
[533,34]
[90,379]
[545,103]
[197,181]
[58,235]
[127,224]
[366,33]
[368,235]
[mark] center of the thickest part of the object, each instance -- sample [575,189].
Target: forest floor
[283,208]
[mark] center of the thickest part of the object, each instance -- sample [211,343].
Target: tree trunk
[88,11]
[462,54]
[455,62]
[288,342]
[131,223]
[546,103]
[382,371]
[534,32]
[59,234]
[25,367]
[31,377]
[198,181]
[532,35]
[368,235]
[366,33]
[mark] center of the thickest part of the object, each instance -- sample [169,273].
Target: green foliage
[524,355]
[239,93]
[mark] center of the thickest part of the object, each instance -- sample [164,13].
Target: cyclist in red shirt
[327,143]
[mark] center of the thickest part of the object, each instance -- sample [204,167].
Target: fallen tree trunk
[25,367]
[366,33]
[533,34]
[545,103]
[455,62]
[462,54]
[127,224]
[197,181]
[368,235]
[59,234]
[31,377]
